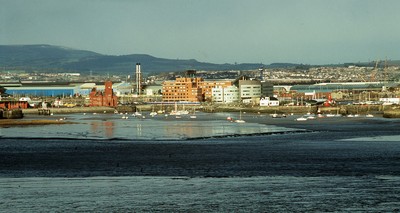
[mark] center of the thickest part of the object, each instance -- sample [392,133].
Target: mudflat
[22,122]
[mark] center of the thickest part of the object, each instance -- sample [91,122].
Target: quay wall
[392,113]
[73,110]
[343,109]
[386,111]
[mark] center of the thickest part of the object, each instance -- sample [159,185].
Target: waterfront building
[269,101]
[267,89]
[190,88]
[228,94]
[39,91]
[249,90]
[7,104]
[182,89]
[208,86]
[103,98]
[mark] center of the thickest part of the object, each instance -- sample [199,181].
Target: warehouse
[51,91]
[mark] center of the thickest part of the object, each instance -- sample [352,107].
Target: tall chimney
[138,79]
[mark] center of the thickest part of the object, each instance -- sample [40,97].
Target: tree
[2,90]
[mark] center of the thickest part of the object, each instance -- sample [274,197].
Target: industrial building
[51,91]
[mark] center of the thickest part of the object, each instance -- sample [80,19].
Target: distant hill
[40,56]
[60,59]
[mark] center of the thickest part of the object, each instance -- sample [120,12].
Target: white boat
[275,115]
[179,112]
[369,115]
[301,119]
[137,114]
[193,116]
[240,119]
[153,113]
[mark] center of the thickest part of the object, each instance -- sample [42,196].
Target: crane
[373,74]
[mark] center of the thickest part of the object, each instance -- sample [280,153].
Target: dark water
[341,165]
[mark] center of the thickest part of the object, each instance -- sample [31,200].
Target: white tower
[138,79]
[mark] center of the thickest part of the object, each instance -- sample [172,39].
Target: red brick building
[103,98]
[14,105]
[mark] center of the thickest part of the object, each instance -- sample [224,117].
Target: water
[176,194]
[105,163]
[112,126]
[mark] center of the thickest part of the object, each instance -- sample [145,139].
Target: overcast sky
[218,31]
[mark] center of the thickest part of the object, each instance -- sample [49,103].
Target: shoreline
[388,113]
[341,109]
[4,123]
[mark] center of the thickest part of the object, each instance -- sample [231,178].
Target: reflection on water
[100,127]
[139,130]
[107,126]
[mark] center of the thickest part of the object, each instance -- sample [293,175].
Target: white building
[249,89]
[267,101]
[388,101]
[229,94]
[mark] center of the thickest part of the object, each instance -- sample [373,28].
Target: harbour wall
[73,110]
[386,111]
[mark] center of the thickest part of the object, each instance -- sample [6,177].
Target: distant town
[263,87]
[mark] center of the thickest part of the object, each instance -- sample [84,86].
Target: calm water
[160,127]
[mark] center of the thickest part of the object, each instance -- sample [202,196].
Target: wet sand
[20,122]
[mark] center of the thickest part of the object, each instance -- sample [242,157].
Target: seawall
[73,110]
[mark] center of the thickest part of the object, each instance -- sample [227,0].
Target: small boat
[193,116]
[153,113]
[311,118]
[137,114]
[301,119]
[240,119]
[275,115]
[369,115]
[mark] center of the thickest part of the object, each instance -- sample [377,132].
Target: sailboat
[193,116]
[175,112]
[153,113]
[240,119]
[161,111]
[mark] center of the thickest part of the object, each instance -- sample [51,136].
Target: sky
[216,31]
